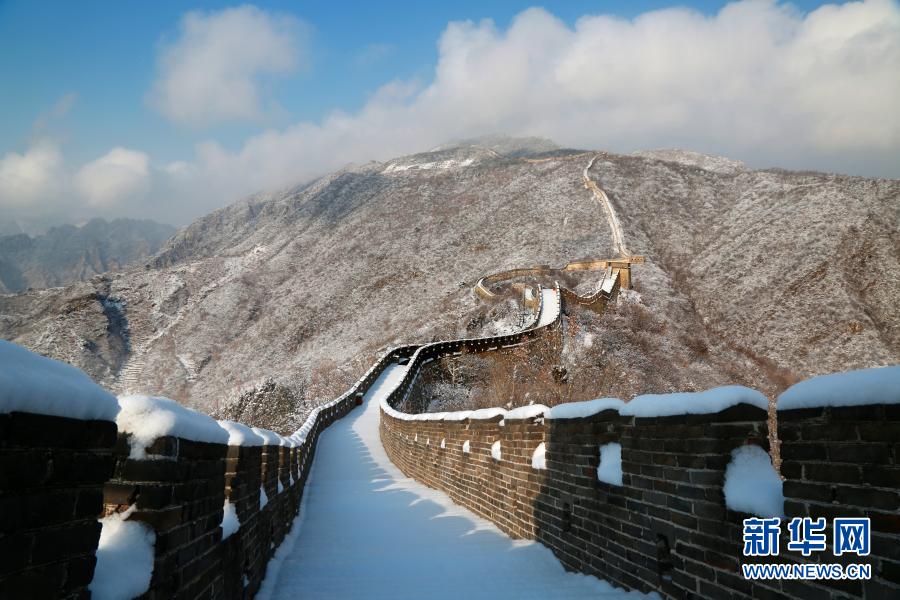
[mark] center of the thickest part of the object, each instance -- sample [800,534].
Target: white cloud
[212,71]
[758,81]
[29,177]
[115,177]
[179,168]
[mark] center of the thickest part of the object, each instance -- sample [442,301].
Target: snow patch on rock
[426,166]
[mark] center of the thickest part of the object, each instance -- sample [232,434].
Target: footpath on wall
[368,531]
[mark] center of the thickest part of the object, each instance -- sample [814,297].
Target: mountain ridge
[303,287]
[68,253]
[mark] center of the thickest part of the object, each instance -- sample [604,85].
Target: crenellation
[65,474]
[667,528]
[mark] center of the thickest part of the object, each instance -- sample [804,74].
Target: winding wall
[179,489]
[665,527]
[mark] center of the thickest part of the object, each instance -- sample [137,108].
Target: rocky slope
[752,277]
[67,254]
[798,270]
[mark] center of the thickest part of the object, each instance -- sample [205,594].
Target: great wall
[664,528]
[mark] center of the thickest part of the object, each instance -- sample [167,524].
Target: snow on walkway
[603,199]
[549,306]
[367,531]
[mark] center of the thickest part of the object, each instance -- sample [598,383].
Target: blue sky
[105,53]
[102,61]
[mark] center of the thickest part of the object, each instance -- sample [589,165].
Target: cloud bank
[213,72]
[758,81]
[116,176]
[25,178]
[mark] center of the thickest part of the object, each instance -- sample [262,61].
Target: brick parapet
[59,476]
[52,471]
[845,462]
[244,557]
[179,491]
[667,528]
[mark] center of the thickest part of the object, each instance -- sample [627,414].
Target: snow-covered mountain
[752,277]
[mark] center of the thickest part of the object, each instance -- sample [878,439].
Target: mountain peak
[504,145]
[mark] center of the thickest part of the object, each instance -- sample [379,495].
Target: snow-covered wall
[664,473]
[670,519]
[880,385]
[191,479]
[659,523]
[155,476]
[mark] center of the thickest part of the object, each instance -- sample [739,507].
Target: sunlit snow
[366,530]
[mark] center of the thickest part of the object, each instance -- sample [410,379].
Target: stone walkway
[367,531]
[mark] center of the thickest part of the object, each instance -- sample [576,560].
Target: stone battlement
[60,474]
[666,527]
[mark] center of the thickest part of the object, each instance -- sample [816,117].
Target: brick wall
[179,491]
[58,476]
[845,462]
[596,302]
[244,560]
[667,528]
[52,471]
